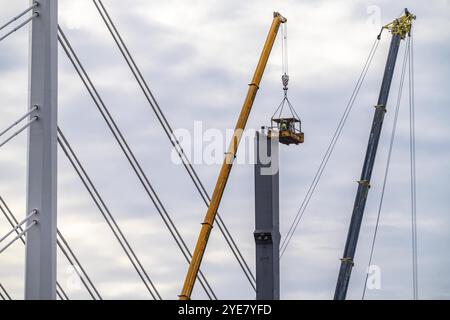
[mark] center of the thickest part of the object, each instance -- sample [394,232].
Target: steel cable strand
[4,294]
[172,138]
[128,153]
[329,150]
[77,263]
[110,220]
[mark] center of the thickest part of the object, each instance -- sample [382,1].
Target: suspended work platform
[288,130]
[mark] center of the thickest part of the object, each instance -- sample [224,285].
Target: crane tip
[278,15]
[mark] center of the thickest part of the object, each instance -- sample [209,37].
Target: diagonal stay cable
[137,168]
[73,262]
[20,224]
[24,232]
[172,138]
[330,149]
[61,293]
[15,18]
[12,220]
[19,26]
[15,123]
[62,242]
[109,218]
[19,131]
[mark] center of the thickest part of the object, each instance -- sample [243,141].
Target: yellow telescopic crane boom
[208,223]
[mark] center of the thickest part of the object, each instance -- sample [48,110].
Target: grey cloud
[198,62]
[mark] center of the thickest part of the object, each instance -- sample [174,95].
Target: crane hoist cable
[412,140]
[285,78]
[288,129]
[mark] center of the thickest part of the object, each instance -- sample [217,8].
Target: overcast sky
[198,57]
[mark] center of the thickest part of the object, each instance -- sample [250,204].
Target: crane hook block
[285,79]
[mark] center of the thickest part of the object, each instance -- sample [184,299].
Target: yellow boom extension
[208,222]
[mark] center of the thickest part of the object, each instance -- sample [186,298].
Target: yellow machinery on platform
[287,130]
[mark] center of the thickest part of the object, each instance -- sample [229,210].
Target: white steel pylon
[40,265]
